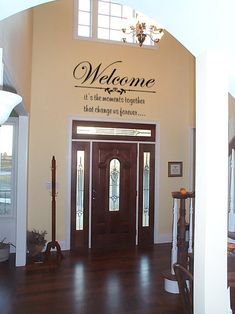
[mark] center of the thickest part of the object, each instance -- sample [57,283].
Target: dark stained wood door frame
[140,234]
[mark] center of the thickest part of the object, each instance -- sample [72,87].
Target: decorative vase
[4,253]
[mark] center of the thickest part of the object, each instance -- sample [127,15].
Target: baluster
[174,249]
[190,244]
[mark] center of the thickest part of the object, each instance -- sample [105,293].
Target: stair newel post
[190,244]
[181,238]
[182,246]
[179,249]
[174,249]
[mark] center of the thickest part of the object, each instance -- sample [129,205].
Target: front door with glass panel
[113,195]
[112,199]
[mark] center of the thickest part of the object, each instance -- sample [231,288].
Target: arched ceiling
[199,25]
[10,7]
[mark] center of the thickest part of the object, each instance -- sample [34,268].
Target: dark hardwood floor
[118,282]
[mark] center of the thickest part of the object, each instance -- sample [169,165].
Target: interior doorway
[112,185]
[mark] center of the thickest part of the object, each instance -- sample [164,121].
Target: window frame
[94,26]
[14,123]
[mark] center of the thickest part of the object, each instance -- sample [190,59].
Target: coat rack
[53,244]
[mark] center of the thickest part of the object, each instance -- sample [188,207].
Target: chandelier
[141,30]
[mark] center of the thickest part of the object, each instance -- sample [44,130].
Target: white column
[210,259]
[231,187]
[231,217]
[1,69]
[21,219]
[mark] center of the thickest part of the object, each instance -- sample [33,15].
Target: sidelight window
[146,189]
[80,190]
[114,185]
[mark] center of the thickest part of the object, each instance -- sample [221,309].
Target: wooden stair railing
[182,248]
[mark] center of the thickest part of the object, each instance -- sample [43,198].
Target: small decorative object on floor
[5,250]
[35,244]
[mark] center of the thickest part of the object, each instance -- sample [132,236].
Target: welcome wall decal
[105,84]
[107,78]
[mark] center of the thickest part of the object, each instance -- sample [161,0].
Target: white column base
[171,286]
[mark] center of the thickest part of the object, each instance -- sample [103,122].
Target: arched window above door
[104,20]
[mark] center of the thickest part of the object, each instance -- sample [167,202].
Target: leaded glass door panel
[80,195]
[113,195]
[146,194]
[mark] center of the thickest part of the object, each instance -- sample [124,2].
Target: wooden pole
[53,244]
[53,196]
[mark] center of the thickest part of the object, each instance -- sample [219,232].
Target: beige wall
[16,41]
[55,99]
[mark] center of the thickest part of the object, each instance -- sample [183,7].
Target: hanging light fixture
[8,101]
[141,30]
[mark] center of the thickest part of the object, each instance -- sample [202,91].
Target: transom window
[104,20]
[117,131]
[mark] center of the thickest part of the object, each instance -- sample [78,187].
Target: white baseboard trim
[164,238]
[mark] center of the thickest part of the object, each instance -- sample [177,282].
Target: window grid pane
[103,21]
[80,191]
[146,189]
[115,35]
[115,23]
[103,7]
[84,31]
[114,185]
[103,33]
[85,5]
[6,171]
[84,18]
[116,9]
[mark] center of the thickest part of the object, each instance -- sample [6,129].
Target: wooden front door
[113,195]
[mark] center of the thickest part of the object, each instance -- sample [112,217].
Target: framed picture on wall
[175,169]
